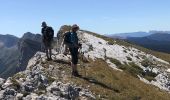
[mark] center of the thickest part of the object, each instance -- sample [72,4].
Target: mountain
[159,42]
[28,45]
[8,40]
[111,69]
[8,55]
[132,34]
[16,52]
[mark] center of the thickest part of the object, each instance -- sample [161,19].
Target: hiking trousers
[74,55]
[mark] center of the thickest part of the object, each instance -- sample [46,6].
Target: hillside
[16,52]
[111,69]
[8,55]
[158,42]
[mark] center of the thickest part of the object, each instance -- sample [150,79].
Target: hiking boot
[76,74]
[49,59]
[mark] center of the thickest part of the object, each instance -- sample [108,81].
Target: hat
[44,24]
[75,26]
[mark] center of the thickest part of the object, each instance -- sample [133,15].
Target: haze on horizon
[113,16]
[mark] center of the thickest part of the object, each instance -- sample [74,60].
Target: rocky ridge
[43,81]
[51,80]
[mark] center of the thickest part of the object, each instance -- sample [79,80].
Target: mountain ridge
[114,69]
[16,52]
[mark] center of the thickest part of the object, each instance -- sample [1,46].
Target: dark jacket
[71,39]
[47,33]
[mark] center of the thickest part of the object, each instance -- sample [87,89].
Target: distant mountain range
[154,40]
[15,52]
[158,42]
[135,34]
[132,34]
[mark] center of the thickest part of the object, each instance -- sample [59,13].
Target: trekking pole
[82,63]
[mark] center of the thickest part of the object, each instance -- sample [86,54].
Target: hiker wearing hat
[47,38]
[71,40]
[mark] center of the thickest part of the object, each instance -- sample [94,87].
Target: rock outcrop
[43,81]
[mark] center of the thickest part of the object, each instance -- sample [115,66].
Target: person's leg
[76,60]
[74,53]
[50,49]
[46,51]
[50,52]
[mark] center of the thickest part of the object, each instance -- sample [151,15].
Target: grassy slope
[111,84]
[116,85]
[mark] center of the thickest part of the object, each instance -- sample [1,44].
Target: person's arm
[42,31]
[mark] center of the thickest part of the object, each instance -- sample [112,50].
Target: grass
[15,84]
[115,61]
[50,79]
[150,76]
[116,85]
[134,69]
[146,63]
[19,75]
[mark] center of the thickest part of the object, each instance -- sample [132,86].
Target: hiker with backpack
[71,41]
[47,38]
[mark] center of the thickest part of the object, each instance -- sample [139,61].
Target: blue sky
[101,16]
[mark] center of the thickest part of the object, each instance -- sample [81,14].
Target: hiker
[71,41]
[47,38]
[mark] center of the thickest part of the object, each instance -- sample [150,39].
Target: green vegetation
[90,48]
[129,58]
[117,85]
[125,51]
[149,75]
[50,79]
[115,61]
[146,63]
[41,88]
[19,75]
[15,84]
[134,69]
[25,93]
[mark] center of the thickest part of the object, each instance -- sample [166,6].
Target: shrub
[137,57]
[134,69]
[25,93]
[149,75]
[110,42]
[146,63]
[15,84]
[129,58]
[125,51]
[19,75]
[50,79]
[90,48]
[123,67]
[115,61]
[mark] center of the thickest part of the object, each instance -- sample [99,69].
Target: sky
[100,16]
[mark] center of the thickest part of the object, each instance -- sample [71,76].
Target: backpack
[49,33]
[68,39]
